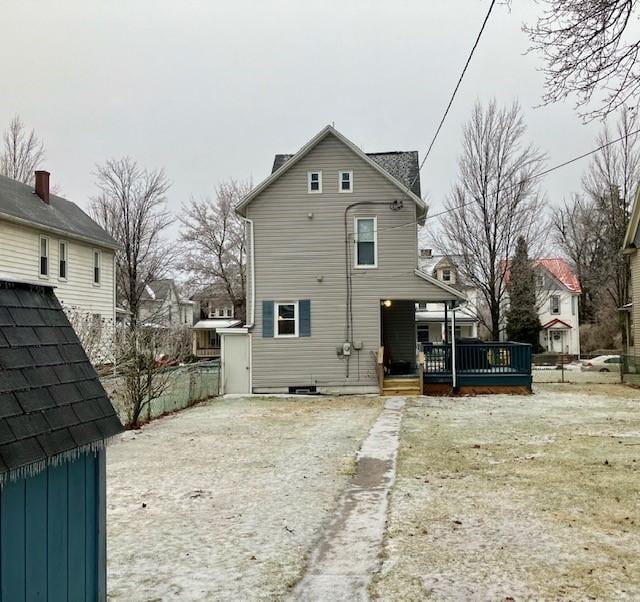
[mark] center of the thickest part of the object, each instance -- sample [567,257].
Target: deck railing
[478,358]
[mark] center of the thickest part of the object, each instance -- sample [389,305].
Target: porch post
[454,376]
[445,334]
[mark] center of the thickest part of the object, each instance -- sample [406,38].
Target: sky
[212,90]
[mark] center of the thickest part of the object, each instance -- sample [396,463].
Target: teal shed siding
[51,533]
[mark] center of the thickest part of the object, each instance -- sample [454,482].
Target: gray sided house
[333,272]
[55,419]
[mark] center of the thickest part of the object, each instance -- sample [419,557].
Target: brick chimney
[42,185]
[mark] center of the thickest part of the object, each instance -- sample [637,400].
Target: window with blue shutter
[267,318]
[304,307]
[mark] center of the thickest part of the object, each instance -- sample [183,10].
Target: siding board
[77,530]
[13,545]
[57,532]
[36,544]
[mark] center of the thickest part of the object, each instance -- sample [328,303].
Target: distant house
[48,239]
[162,306]
[213,310]
[55,420]
[432,319]
[559,292]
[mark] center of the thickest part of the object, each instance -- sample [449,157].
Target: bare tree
[213,244]
[587,52]
[610,182]
[495,202]
[132,207]
[22,152]
[577,228]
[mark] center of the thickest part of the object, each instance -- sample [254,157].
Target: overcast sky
[212,90]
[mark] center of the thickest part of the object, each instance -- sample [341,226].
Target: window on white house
[314,181]
[574,304]
[96,266]
[62,260]
[229,312]
[345,181]
[555,304]
[44,257]
[366,242]
[446,275]
[286,317]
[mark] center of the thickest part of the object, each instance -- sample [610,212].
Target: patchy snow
[225,500]
[501,497]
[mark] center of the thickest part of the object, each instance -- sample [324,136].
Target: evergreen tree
[523,323]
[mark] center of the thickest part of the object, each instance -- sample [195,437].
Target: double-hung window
[44,257]
[286,319]
[555,304]
[366,242]
[96,266]
[314,181]
[345,181]
[62,260]
[446,275]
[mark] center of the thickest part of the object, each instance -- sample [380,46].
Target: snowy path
[346,557]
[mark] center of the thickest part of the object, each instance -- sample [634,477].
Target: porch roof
[215,324]
[556,323]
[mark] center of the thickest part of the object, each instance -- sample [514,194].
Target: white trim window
[97,264]
[63,259]
[345,181]
[43,268]
[285,317]
[314,182]
[366,242]
[555,304]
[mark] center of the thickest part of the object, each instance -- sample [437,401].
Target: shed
[55,419]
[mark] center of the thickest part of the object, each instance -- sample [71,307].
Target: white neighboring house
[559,292]
[162,306]
[47,239]
[213,311]
[431,318]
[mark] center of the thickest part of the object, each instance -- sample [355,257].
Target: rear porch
[405,365]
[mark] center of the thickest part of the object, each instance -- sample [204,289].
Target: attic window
[314,181]
[446,275]
[345,181]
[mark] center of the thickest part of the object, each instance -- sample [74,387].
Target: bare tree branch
[22,152]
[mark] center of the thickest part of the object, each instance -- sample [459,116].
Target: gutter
[253,272]
[63,233]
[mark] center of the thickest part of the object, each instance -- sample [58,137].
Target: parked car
[602,363]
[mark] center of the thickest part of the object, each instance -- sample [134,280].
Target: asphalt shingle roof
[402,165]
[51,400]
[19,201]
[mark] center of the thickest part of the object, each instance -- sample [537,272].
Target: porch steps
[401,386]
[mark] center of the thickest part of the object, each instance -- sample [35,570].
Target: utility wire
[455,90]
[535,176]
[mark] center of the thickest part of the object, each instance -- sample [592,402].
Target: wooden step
[401,386]
[401,392]
[401,382]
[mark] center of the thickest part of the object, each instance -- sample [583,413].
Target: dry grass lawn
[503,497]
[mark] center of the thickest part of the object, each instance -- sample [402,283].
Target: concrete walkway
[346,557]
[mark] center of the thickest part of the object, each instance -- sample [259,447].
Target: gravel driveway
[224,501]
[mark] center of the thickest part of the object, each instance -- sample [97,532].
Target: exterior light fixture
[387,303]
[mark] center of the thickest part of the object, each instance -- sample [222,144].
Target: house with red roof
[559,291]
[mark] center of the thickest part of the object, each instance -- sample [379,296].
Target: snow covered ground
[502,498]
[225,500]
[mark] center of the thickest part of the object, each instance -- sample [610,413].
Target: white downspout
[253,272]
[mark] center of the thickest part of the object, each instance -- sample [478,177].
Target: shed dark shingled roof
[19,201]
[402,165]
[51,400]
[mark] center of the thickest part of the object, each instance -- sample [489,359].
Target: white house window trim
[340,180]
[357,265]
[310,174]
[296,319]
[446,274]
[46,257]
[553,309]
[97,254]
[63,244]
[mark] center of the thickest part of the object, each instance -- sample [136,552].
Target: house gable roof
[629,244]
[52,404]
[20,204]
[559,268]
[384,161]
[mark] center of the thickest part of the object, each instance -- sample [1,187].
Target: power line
[455,90]
[535,176]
